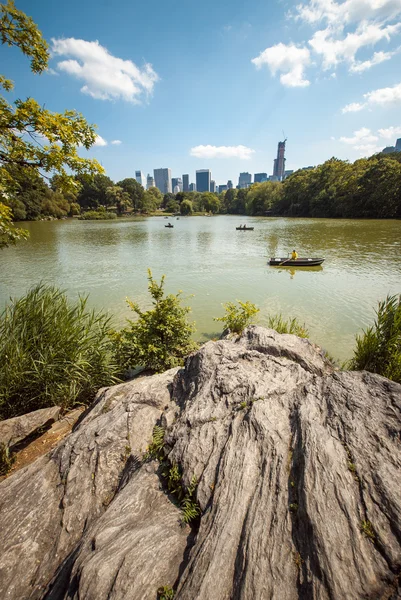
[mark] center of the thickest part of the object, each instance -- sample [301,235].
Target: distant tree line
[367,188]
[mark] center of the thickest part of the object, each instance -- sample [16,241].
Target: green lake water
[207,257]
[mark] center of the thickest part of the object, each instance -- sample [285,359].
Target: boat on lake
[169,225]
[244,228]
[297,262]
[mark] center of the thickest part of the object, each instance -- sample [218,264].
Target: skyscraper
[163,180]
[230,184]
[185,183]
[398,145]
[222,188]
[259,177]
[140,178]
[192,187]
[279,162]
[203,177]
[176,182]
[245,180]
[213,186]
[150,182]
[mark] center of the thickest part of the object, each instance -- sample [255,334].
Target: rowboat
[169,226]
[244,228]
[298,262]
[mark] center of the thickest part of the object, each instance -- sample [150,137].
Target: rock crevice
[298,484]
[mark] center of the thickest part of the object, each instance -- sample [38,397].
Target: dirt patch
[45,442]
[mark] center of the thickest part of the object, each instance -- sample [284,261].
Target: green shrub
[52,352]
[293,326]
[165,593]
[237,318]
[161,337]
[97,215]
[379,348]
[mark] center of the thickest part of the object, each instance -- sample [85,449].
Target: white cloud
[348,12]
[50,71]
[100,141]
[362,136]
[208,151]
[105,76]
[334,51]
[353,107]
[289,60]
[391,133]
[384,96]
[377,58]
[116,142]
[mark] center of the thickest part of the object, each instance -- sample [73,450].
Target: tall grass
[279,324]
[52,352]
[378,349]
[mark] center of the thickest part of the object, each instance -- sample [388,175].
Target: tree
[119,198]
[93,190]
[172,206]
[30,135]
[167,198]
[9,234]
[161,337]
[150,202]
[134,190]
[210,202]
[156,193]
[262,196]
[186,207]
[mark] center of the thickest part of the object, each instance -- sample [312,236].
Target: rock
[15,430]
[298,485]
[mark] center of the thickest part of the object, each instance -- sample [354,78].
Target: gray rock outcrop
[15,430]
[298,470]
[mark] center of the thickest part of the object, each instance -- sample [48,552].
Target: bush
[161,337]
[52,352]
[379,348]
[97,215]
[237,318]
[293,326]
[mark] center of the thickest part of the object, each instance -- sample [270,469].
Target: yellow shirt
[294,255]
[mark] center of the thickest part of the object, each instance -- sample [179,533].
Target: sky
[216,84]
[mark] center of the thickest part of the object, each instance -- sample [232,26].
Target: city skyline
[328,73]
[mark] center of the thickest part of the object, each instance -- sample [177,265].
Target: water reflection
[209,258]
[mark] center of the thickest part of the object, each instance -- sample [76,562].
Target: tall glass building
[140,178]
[185,183]
[245,180]
[203,179]
[259,177]
[163,180]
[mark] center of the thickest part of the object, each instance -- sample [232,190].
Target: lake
[207,257]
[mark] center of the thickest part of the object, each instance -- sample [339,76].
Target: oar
[283,263]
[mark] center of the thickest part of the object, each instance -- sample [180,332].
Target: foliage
[161,337]
[186,207]
[279,324]
[97,215]
[134,190]
[117,197]
[165,593]
[150,202]
[155,449]
[189,505]
[32,137]
[379,348]
[52,352]
[9,234]
[92,191]
[367,529]
[238,317]
[6,459]
[172,206]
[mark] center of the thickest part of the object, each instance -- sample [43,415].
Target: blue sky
[191,85]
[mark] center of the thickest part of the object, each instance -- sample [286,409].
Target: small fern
[165,593]
[189,506]
[155,449]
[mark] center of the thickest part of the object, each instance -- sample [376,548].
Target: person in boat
[294,255]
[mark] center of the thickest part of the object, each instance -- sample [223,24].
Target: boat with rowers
[244,228]
[295,262]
